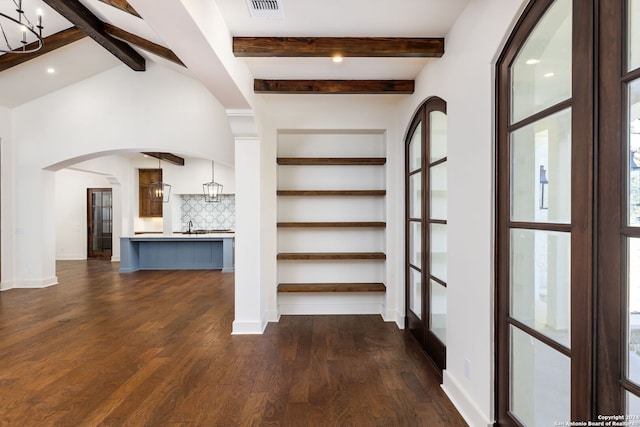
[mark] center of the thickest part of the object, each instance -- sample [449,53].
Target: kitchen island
[178,251]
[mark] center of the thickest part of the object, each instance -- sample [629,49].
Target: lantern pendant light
[212,190]
[159,191]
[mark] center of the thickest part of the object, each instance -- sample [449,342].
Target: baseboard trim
[5,286]
[71,257]
[463,402]
[394,316]
[248,328]
[34,284]
[273,316]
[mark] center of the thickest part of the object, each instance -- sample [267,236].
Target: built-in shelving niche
[331,221]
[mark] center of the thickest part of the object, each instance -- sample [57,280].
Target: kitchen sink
[207,231]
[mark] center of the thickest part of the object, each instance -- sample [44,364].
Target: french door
[426,229]
[618,262]
[99,222]
[568,214]
[545,217]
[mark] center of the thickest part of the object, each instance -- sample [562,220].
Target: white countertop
[181,235]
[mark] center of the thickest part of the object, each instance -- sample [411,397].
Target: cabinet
[146,207]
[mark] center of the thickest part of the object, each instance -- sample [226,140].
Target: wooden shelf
[331,192]
[332,161]
[331,256]
[331,287]
[373,224]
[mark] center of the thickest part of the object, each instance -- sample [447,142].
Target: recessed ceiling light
[549,74]
[532,61]
[337,59]
[51,70]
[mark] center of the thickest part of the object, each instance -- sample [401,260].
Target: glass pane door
[99,222]
[415,252]
[568,227]
[437,143]
[540,242]
[632,310]
[536,237]
[426,275]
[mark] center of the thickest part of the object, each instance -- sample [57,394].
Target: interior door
[545,218]
[426,229]
[619,235]
[415,288]
[99,222]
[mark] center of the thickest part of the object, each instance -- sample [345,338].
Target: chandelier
[18,32]
[212,190]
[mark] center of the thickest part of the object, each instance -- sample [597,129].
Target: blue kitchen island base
[176,252]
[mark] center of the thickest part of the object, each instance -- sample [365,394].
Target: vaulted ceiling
[384,46]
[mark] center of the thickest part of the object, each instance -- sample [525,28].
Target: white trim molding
[463,402]
[248,328]
[33,284]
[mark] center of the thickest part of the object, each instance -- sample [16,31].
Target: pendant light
[212,190]
[159,191]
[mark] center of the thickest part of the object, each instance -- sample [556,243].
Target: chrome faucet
[189,224]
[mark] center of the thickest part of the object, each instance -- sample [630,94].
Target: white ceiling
[338,18]
[347,18]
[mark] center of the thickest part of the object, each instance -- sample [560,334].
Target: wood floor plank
[155,348]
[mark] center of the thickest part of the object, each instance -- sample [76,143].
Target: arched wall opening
[106,116]
[118,171]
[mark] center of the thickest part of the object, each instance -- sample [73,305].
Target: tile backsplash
[206,215]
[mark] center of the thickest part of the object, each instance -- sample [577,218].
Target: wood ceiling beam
[82,18]
[50,43]
[123,5]
[144,44]
[369,87]
[395,47]
[167,157]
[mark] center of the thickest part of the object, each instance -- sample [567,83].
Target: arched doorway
[426,228]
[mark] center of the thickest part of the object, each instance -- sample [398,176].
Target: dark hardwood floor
[155,349]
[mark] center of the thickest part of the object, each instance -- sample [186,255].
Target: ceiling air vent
[265,8]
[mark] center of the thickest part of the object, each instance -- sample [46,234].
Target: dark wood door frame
[613,230]
[413,323]
[582,351]
[90,225]
[420,328]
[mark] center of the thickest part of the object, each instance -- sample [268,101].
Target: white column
[250,315]
[35,235]
[117,209]
[167,217]
[7,250]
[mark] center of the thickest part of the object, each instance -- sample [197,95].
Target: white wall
[188,179]
[71,211]
[155,110]
[464,77]
[118,110]
[6,193]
